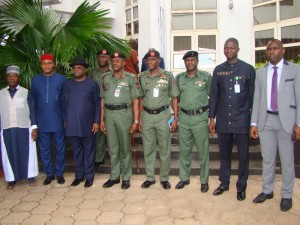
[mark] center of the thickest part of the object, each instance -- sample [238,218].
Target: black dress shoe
[60,179]
[182,183]
[147,184]
[48,180]
[263,197]
[204,188]
[166,185]
[77,181]
[241,195]
[125,184]
[111,183]
[220,190]
[88,183]
[99,163]
[286,204]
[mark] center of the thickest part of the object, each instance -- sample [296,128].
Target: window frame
[132,20]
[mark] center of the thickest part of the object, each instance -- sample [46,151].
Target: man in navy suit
[276,120]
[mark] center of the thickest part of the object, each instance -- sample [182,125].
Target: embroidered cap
[47,57]
[13,69]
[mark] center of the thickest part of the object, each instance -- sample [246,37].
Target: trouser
[44,141]
[274,137]
[193,129]
[225,147]
[84,156]
[118,123]
[100,149]
[155,129]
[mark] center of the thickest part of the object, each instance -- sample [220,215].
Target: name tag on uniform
[155,92]
[237,88]
[117,91]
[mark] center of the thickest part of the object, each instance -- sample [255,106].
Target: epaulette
[167,72]
[205,72]
[107,73]
[129,74]
[143,73]
[179,75]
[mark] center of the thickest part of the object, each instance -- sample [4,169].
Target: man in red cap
[46,89]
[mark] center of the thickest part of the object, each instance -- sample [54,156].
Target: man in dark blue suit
[231,96]
[81,104]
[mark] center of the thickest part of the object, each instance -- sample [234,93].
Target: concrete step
[255,158]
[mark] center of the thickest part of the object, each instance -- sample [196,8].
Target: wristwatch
[136,121]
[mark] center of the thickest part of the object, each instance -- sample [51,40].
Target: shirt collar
[15,88]
[279,65]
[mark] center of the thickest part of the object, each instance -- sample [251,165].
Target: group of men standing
[231,102]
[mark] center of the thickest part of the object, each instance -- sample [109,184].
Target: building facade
[176,26]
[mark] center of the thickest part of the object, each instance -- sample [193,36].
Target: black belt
[195,111]
[156,111]
[116,107]
[276,113]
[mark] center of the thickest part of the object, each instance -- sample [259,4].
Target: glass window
[207,60]
[182,21]
[292,54]
[178,61]
[136,27]
[290,34]
[264,14]
[262,37]
[128,2]
[206,42]
[204,4]
[206,20]
[135,13]
[182,5]
[260,57]
[182,43]
[289,9]
[128,29]
[128,15]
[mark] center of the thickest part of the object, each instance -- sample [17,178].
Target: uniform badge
[116,54]
[104,51]
[152,54]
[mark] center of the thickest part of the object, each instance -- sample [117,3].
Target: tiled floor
[62,205]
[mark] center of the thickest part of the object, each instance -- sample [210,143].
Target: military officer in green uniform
[194,87]
[96,75]
[118,119]
[157,86]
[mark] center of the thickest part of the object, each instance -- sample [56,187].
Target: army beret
[152,53]
[118,55]
[190,54]
[103,52]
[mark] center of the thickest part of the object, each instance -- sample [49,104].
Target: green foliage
[28,30]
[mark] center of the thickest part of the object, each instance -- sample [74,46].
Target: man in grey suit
[276,120]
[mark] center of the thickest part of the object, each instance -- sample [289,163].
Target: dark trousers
[225,147]
[44,141]
[84,156]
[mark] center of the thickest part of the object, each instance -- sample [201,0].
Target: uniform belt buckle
[194,112]
[154,112]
